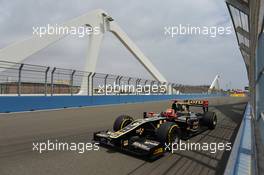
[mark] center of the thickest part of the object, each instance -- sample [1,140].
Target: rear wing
[201,103]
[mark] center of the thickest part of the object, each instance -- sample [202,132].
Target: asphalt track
[18,131]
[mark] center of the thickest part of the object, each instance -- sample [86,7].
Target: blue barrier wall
[240,160]
[30,103]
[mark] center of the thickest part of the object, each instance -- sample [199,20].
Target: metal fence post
[159,83]
[159,87]
[137,82]
[51,81]
[181,89]
[19,80]
[168,91]
[128,83]
[178,88]
[46,81]
[88,83]
[172,86]
[145,86]
[165,84]
[151,86]
[116,82]
[119,80]
[92,84]
[136,86]
[105,82]
[72,74]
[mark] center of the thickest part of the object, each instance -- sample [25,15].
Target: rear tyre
[169,132]
[210,120]
[121,122]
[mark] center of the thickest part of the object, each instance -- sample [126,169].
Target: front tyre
[121,122]
[169,132]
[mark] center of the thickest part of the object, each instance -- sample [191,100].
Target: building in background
[247,17]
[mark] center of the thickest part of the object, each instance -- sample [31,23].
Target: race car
[149,135]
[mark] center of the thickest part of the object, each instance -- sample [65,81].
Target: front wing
[140,146]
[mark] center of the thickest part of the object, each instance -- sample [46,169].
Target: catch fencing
[27,79]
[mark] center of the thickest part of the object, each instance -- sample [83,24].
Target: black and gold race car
[149,135]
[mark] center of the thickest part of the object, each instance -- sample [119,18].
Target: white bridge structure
[215,86]
[19,51]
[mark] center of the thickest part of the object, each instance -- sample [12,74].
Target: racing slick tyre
[210,120]
[121,122]
[169,132]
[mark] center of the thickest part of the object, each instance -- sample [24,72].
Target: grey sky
[184,59]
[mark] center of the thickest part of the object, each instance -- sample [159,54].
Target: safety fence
[27,79]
